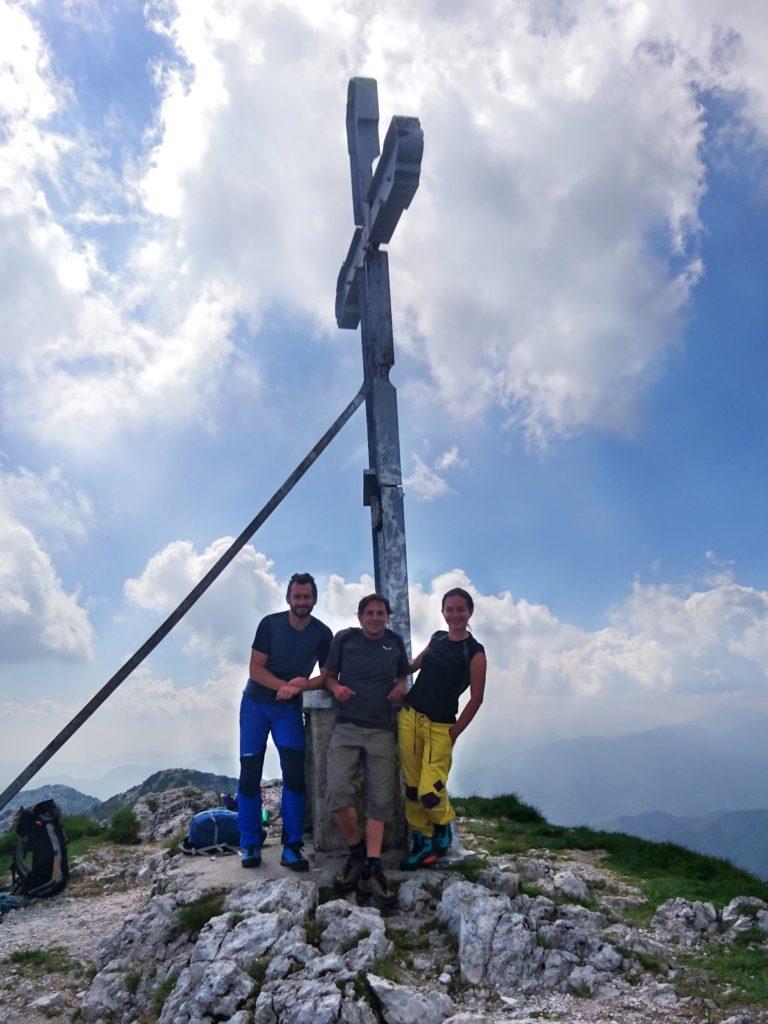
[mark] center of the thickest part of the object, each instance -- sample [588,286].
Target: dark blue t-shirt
[290,652]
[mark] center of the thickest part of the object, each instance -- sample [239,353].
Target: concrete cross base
[327,837]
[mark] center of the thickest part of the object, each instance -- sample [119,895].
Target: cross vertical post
[363,296]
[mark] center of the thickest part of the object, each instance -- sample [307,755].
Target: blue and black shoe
[421,856]
[251,857]
[442,839]
[294,859]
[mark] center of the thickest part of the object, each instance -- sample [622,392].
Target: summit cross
[363,297]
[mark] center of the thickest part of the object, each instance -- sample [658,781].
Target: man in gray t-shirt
[366,671]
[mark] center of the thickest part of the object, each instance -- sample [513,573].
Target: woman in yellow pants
[428,727]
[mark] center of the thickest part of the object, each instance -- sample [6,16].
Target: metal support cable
[163,630]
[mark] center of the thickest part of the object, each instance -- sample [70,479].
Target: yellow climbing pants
[425,755]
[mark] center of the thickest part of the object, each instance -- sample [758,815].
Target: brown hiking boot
[347,878]
[374,888]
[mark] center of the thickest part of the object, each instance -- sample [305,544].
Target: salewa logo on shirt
[384,646]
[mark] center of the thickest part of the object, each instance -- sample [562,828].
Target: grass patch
[53,960]
[509,807]
[314,931]
[744,969]
[470,868]
[364,991]
[194,916]
[660,870]
[124,827]
[753,936]
[404,941]
[172,843]
[161,992]
[648,961]
[132,980]
[385,968]
[258,971]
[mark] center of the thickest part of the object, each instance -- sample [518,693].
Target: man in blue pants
[285,649]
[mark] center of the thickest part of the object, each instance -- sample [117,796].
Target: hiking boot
[374,888]
[421,856]
[251,857]
[442,839]
[347,878]
[294,859]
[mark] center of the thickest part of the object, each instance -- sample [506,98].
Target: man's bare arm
[289,690]
[336,689]
[398,691]
[260,673]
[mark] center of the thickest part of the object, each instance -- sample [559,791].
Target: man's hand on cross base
[341,692]
[290,689]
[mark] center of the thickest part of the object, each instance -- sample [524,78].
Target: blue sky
[580,313]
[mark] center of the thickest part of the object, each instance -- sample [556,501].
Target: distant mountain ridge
[71,801]
[159,782]
[684,770]
[738,836]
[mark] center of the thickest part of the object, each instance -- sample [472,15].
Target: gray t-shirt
[369,667]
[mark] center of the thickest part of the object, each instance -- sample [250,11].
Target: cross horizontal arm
[397,177]
[391,190]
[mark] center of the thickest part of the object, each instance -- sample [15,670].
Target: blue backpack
[213,831]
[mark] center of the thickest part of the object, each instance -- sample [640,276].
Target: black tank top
[443,677]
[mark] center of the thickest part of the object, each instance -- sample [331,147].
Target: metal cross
[362,297]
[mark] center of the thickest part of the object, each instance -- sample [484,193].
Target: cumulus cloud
[680,646]
[38,618]
[46,501]
[425,482]
[663,638]
[227,614]
[558,212]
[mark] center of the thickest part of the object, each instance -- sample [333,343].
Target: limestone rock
[569,885]
[415,899]
[308,1002]
[745,912]
[501,881]
[345,926]
[686,921]
[404,1004]
[206,991]
[271,894]
[164,814]
[496,945]
[586,920]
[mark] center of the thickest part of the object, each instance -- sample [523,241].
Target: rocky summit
[148,935]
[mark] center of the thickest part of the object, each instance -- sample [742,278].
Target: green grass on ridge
[660,870]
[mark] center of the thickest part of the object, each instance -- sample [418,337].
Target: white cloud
[424,483]
[38,618]
[667,650]
[663,639]
[451,458]
[223,622]
[46,501]
[558,212]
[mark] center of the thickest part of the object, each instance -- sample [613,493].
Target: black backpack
[40,866]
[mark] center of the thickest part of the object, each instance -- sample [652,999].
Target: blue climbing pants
[257,720]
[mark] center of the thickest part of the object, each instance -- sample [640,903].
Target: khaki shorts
[356,755]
